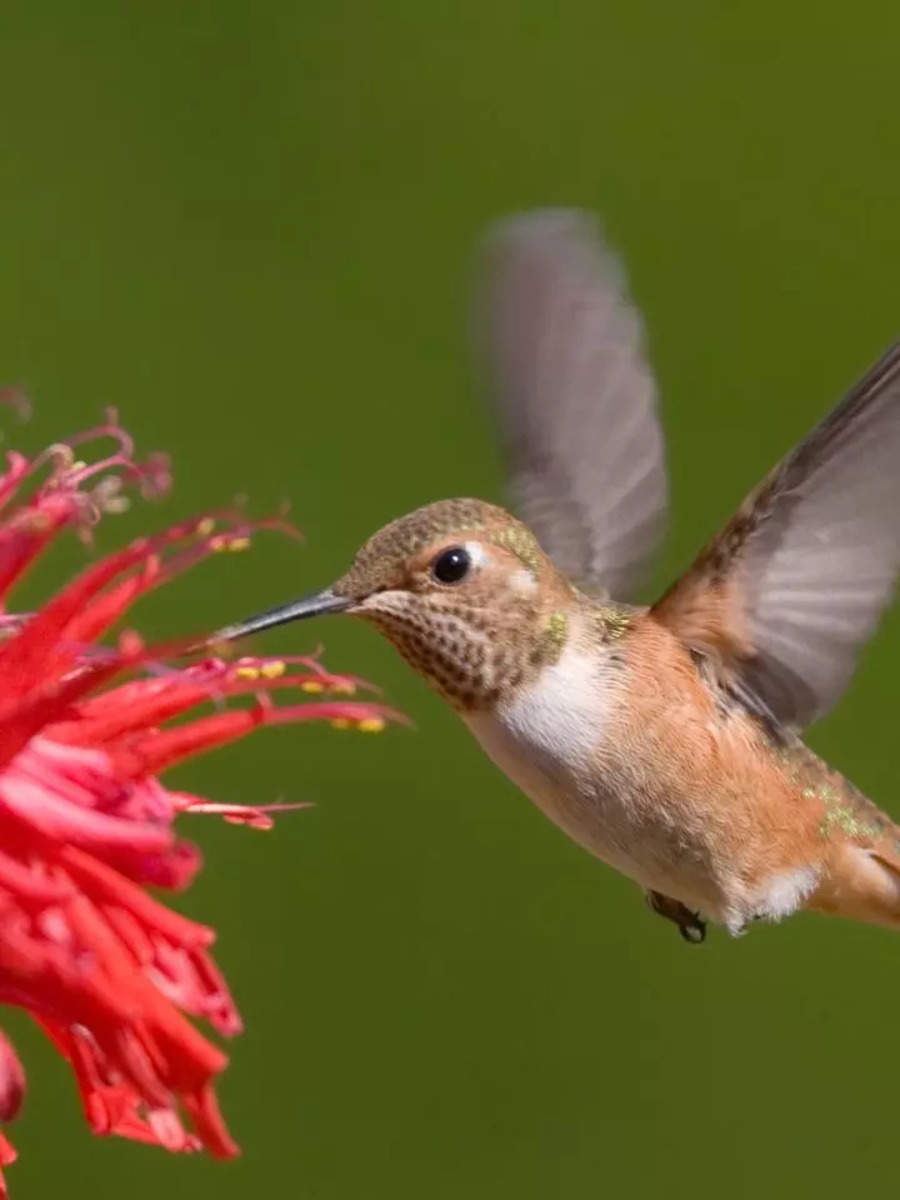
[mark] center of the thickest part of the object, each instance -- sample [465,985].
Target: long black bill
[308,606]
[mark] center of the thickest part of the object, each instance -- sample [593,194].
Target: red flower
[109,973]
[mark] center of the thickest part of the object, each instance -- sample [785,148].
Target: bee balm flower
[111,974]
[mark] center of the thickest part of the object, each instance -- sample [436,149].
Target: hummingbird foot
[691,925]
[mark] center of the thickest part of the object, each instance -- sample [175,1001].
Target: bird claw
[691,925]
[694,930]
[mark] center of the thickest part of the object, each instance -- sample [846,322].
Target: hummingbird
[666,739]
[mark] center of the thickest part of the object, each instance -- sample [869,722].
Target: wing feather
[576,400]
[789,591]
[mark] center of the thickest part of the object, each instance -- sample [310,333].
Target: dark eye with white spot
[451,566]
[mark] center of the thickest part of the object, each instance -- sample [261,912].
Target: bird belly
[549,740]
[650,794]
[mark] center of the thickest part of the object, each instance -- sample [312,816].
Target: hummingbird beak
[326,601]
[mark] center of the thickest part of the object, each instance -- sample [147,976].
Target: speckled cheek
[436,646]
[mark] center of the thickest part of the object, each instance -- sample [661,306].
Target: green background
[251,227]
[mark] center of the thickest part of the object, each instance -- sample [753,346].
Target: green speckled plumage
[845,810]
[613,621]
[551,640]
[522,543]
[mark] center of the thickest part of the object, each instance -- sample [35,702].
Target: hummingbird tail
[862,883]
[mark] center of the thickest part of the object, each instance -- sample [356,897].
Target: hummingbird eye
[451,566]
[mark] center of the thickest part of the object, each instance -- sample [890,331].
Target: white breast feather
[545,738]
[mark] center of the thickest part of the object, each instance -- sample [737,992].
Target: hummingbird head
[461,588]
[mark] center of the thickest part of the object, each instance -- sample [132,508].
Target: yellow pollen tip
[312,686]
[205,527]
[344,688]
[370,725]
[272,670]
[340,723]
[247,672]
[238,543]
[78,465]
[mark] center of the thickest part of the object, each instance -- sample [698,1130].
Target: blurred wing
[563,348]
[786,595]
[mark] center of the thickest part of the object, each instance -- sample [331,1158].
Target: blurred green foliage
[251,227]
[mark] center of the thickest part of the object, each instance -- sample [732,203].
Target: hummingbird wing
[791,588]
[563,348]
